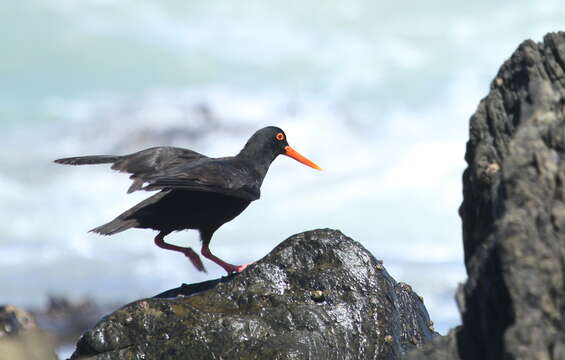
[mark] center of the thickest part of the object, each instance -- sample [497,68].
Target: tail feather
[129,218]
[115,226]
[89,160]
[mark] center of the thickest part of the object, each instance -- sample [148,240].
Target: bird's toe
[195,259]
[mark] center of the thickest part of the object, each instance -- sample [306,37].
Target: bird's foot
[234,268]
[188,252]
[229,268]
[194,259]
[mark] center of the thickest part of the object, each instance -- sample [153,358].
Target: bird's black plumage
[195,191]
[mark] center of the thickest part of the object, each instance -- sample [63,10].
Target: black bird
[195,191]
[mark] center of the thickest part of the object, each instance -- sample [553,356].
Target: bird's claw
[235,268]
[195,259]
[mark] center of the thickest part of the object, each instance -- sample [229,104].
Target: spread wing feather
[163,167]
[224,175]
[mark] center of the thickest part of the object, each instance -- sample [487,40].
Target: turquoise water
[378,93]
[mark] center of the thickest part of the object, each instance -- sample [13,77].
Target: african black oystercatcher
[196,191]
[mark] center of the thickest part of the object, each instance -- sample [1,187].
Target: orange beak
[290,152]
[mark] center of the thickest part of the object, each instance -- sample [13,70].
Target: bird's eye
[279,136]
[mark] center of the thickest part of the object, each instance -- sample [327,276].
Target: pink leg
[188,252]
[228,267]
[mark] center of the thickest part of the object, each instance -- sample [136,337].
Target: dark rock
[513,212]
[318,295]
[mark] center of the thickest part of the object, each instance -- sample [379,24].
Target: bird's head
[271,142]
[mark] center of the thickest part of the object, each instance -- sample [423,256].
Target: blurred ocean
[378,93]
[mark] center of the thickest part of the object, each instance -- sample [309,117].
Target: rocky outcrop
[513,212]
[318,295]
[20,339]
[14,321]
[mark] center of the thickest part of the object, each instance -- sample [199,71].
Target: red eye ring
[279,136]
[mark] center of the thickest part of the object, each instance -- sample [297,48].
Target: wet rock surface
[318,295]
[513,304]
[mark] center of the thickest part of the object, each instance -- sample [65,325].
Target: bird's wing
[225,176]
[151,162]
